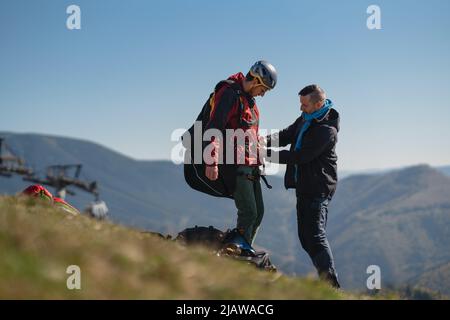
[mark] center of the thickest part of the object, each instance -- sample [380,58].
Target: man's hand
[263,151]
[212,172]
[262,141]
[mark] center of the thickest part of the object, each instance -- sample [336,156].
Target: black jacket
[316,160]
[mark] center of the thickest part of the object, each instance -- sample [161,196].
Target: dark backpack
[194,174]
[205,236]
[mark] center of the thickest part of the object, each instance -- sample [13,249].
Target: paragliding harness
[194,173]
[256,177]
[230,243]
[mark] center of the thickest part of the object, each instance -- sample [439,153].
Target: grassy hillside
[38,243]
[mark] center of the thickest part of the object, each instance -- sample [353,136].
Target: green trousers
[249,202]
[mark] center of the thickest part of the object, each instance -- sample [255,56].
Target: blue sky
[137,70]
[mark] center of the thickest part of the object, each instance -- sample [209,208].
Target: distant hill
[347,173]
[445,170]
[435,279]
[398,220]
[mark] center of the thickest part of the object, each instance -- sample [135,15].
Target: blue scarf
[307,119]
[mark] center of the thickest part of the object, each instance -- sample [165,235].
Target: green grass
[39,242]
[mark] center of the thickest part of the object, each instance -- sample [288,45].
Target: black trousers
[312,216]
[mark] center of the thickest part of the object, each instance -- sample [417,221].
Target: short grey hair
[314,92]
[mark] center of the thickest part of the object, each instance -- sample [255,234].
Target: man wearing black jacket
[312,171]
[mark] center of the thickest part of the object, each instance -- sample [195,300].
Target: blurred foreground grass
[39,242]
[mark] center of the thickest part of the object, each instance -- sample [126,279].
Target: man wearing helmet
[237,110]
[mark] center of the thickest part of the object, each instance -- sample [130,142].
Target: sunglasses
[260,83]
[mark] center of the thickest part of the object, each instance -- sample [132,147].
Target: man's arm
[309,151]
[284,137]
[224,103]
